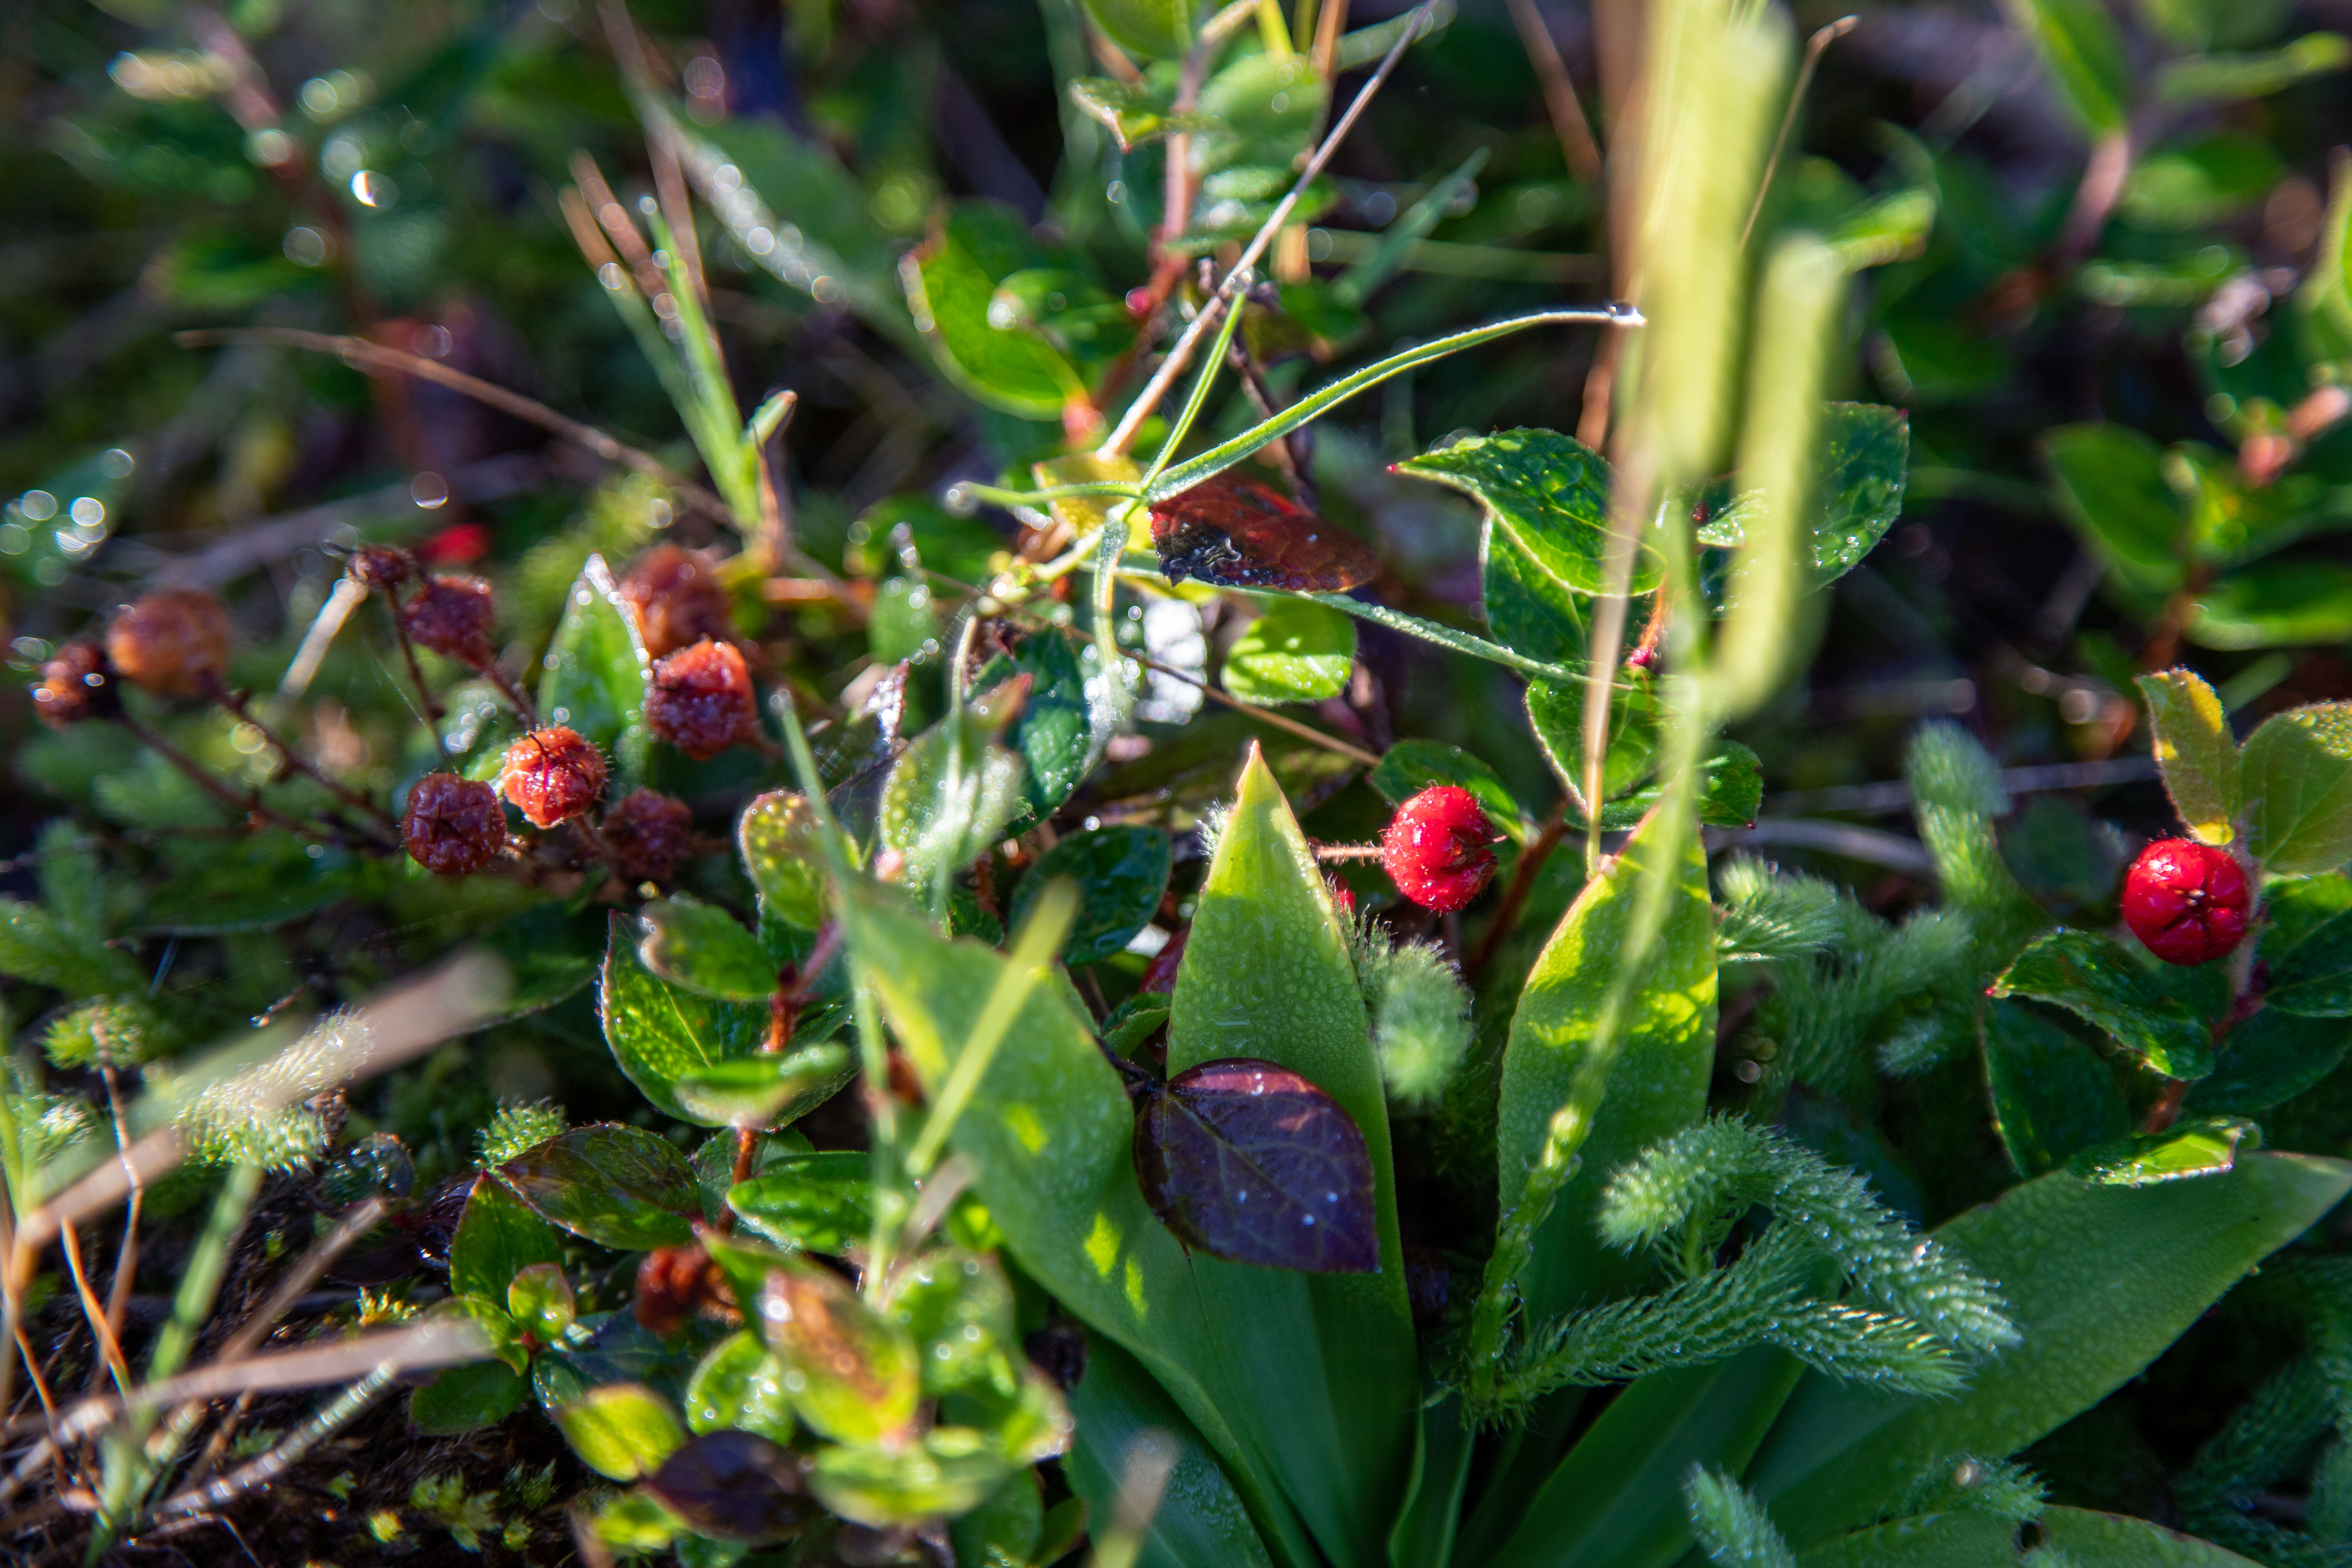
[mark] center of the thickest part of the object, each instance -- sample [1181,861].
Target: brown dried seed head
[647,834]
[675,1283]
[552,774]
[454,824]
[452,615]
[75,686]
[174,642]
[677,600]
[381,568]
[701,701]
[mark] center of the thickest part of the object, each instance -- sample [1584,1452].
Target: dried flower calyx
[676,600]
[452,824]
[648,833]
[381,568]
[552,776]
[452,615]
[700,700]
[75,685]
[172,643]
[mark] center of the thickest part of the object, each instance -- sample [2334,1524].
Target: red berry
[1436,847]
[174,643]
[647,834]
[451,615]
[74,686]
[452,824]
[552,774]
[2188,901]
[700,700]
[677,600]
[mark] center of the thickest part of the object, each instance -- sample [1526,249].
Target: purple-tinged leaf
[619,1186]
[1249,1162]
[738,1486]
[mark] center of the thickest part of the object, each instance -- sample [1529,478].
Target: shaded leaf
[498,1238]
[1295,651]
[2095,979]
[595,678]
[550,953]
[619,1186]
[466,1399]
[851,1373]
[821,1201]
[1411,766]
[2310,976]
[1155,30]
[1549,494]
[1860,467]
[2111,487]
[1004,1531]
[1556,709]
[736,1486]
[2273,603]
[660,1032]
[1056,733]
[766,1090]
[1529,611]
[2268,1059]
[1122,1415]
[1238,533]
[2052,1095]
[2094,1540]
[623,1430]
[705,949]
[1120,872]
[251,883]
[951,1471]
[2082,49]
[739,1385]
[777,839]
[2298,773]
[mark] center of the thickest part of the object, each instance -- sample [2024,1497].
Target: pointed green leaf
[619,1186]
[766,1090]
[1860,468]
[1556,709]
[1295,651]
[704,949]
[623,1430]
[595,676]
[1122,1416]
[1155,30]
[2092,1540]
[498,1238]
[2095,979]
[2186,1150]
[1120,873]
[1549,494]
[2052,1095]
[660,1032]
[823,1203]
[2195,752]
[2298,775]
[1529,611]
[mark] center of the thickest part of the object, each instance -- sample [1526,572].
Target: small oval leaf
[1120,872]
[619,1186]
[737,1485]
[765,1092]
[1238,533]
[623,1430]
[703,947]
[739,1385]
[852,1374]
[1297,651]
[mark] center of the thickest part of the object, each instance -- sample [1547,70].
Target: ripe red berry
[551,775]
[700,700]
[647,834]
[677,600]
[1436,847]
[75,686]
[2188,901]
[451,615]
[452,824]
[174,642]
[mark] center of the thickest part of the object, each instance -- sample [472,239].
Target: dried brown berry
[552,774]
[677,600]
[381,568]
[452,615]
[75,686]
[648,833]
[174,642]
[702,699]
[454,824]
[675,1283]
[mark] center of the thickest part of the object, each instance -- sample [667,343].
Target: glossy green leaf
[1411,766]
[2094,1540]
[2269,1059]
[948,798]
[767,1091]
[2082,49]
[2298,773]
[1547,492]
[1859,472]
[2110,483]
[36,945]
[2310,975]
[1155,30]
[660,1032]
[623,1430]
[595,676]
[1004,1531]
[1013,370]
[2052,1095]
[2186,1150]
[739,1385]
[1120,873]
[500,1335]
[619,1186]
[782,854]
[851,1373]
[1556,709]
[1531,612]
[951,1471]
[821,1202]
[1056,731]
[2094,978]
[904,621]
[957,1306]
[2100,1279]
[1122,1415]
[498,1238]
[541,1302]
[704,949]
[1295,651]
[2204,79]
[466,1399]
[1658,1087]
[2195,752]
[2273,604]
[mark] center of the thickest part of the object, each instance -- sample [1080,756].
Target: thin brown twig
[1815,46]
[1523,882]
[1561,101]
[109,1351]
[247,805]
[288,761]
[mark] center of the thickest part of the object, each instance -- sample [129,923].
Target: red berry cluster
[1437,847]
[676,600]
[2188,901]
[452,824]
[172,643]
[700,700]
[552,776]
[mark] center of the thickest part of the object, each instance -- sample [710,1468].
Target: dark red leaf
[1240,533]
[735,1485]
[1249,1162]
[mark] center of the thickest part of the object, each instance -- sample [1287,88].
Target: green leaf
[1120,872]
[2110,484]
[1859,472]
[2268,1059]
[1003,1531]
[2205,78]
[2186,1150]
[2208,180]
[948,798]
[498,1238]
[2094,978]
[1961,1538]
[550,952]
[252,883]
[2052,1095]
[541,1302]
[739,1385]
[822,1203]
[778,837]
[1155,30]
[595,676]
[2298,775]
[1200,1521]
[36,945]
[951,1471]
[1550,494]
[1056,731]
[619,1186]
[2325,300]
[1013,370]
[704,949]
[2274,603]
[1411,766]
[903,622]
[1658,1086]
[2100,1279]
[1295,651]
[2311,977]
[1135,112]
[1556,709]
[660,1032]
[2093,1540]
[766,1091]
[2195,752]
[958,1308]
[466,1399]
[1529,611]
[851,1373]
[623,1430]
[2084,49]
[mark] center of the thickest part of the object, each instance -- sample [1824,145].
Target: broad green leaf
[765,1090]
[2186,1150]
[2052,1095]
[2079,43]
[2110,483]
[1199,1522]
[1658,1085]
[2274,603]
[904,622]
[2096,980]
[541,1302]
[1155,30]
[498,1238]
[957,1306]
[1859,473]
[1550,494]
[2298,775]
[948,798]
[1260,110]
[1295,651]
[2311,976]
[597,674]
[822,1203]
[1003,1531]
[1529,611]
[2195,752]
[1056,731]
[2204,79]
[1962,1537]
[661,1032]
[619,1186]
[739,1385]
[624,1430]
[1011,370]
[1556,709]
[2099,1279]
[1431,1524]
[1731,792]
[2204,182]
[550,952]
[36,945]
[2269,1059]
[1120,872]
[851,1373]
[2092,1540]
[1411,766]
[466,1399]
[778,837]
[704,949]
[951,1471]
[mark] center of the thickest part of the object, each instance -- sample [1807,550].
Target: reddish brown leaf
[734,1485]
[1237,532]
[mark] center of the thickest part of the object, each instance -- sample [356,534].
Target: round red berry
[1436,848]
[2188,901]
[676,599]
[452,824]
[451,615]
[552,776]
[648,833]
[174,643]
[701,701]
[75,686]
